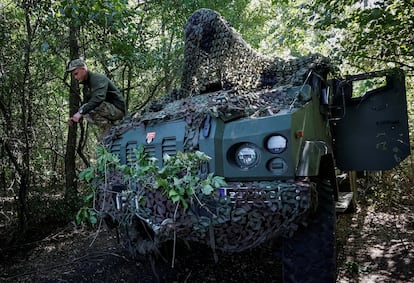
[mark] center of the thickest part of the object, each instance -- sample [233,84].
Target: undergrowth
[388,190]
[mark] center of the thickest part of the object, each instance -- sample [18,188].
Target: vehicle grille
[130,155]
[116,149]
[169,146]
[150,150]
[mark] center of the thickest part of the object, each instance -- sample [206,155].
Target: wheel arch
[317,160]
[313,158]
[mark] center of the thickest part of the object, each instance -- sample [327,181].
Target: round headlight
[247,156]
[276,144]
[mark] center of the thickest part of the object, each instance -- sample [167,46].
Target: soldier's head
[78,69]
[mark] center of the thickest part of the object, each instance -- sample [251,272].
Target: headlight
[276,144]
[247,156]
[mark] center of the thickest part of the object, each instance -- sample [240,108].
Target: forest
[139,45]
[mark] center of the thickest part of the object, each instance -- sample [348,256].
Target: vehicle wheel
[309,256]
[138,239]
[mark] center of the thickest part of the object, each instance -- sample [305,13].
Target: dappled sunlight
[375,252]
[379,247]
[49,248]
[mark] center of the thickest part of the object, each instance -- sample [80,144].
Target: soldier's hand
[76,117]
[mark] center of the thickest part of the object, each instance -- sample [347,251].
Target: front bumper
[235,218]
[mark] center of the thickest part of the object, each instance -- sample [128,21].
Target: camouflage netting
[225,105]
[216,54]
[245,83]
[248,215]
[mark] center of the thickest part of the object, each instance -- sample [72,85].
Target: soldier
[103,102]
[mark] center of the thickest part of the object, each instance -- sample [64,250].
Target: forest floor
[374,244]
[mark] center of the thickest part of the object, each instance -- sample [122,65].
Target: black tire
[138,240]
[309,256]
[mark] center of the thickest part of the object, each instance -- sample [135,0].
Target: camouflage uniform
[103,102]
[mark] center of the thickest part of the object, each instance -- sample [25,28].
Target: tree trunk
[71,194]
[26,122]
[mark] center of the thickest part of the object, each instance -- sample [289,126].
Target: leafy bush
[178,178]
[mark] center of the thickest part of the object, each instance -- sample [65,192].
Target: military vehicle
[277,133]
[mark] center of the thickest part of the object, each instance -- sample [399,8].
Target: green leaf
[184,203]
[202,156]
[88,174]
[207,189]
[189,191]
[166,158]
[178,182]
[173,193]
[83,215]
[93,219]
[78,217]
[175,198]
[88,197]
[219,182]
[163,183]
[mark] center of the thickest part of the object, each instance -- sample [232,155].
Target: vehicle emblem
[150,137]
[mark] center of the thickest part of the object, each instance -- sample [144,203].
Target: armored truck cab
[250,148]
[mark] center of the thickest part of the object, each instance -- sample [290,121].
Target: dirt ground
[377,246]
[73,255]
[374,244]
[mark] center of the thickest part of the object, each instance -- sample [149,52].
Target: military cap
[74,64]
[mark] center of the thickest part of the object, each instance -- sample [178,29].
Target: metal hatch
[371,130]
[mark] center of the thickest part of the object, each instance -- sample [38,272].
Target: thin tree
[74,102]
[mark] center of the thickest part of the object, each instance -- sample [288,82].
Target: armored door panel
[371,130]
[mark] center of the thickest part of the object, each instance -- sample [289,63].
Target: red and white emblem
[150,137]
